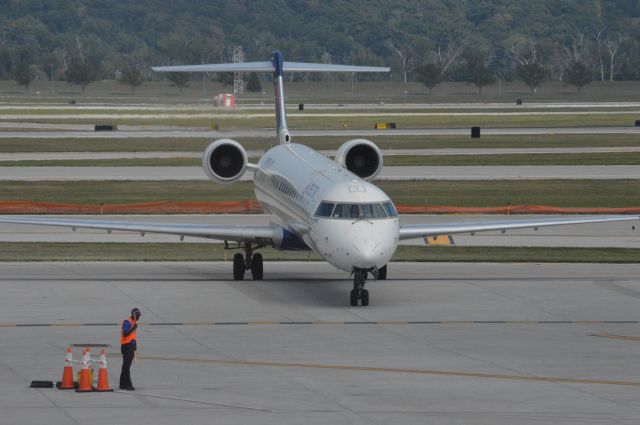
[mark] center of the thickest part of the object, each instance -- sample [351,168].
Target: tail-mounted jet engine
[362,157]
[224,161]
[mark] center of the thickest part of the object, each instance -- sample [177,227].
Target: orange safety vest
[132,335]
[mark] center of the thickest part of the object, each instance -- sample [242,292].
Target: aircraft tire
[353,298]
[238,267]
[256,267]
[364,298]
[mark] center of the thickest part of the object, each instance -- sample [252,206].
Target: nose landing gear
[358,293]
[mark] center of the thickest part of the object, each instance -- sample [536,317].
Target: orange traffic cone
[103,377]
[84,381]
[67,373]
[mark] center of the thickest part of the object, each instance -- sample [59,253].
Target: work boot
[127,388]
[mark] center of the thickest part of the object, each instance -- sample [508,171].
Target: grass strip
[116,162]
[60,251]
[159,92]
[300,121]
[610,158]
[463,193]
[386,140]
[486,193]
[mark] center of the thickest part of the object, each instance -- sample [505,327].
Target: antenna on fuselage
[278,66]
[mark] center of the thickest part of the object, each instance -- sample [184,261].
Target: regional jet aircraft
[319,204]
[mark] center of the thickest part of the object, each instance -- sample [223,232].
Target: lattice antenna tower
[238,57]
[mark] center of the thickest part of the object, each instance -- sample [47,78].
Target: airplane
[325,205]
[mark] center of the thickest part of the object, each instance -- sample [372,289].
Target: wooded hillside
[404,34]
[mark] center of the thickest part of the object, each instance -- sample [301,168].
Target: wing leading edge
[256,234]
[415,231]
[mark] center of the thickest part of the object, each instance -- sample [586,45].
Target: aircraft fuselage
[357,226]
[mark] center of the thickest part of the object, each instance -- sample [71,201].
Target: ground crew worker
[128,347]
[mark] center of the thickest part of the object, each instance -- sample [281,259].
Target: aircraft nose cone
[365,253]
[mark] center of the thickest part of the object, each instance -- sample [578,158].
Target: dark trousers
[127,358]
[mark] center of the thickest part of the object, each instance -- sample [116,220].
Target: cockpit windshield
[356,211]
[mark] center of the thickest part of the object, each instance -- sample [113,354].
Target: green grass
[103,145]
[614,158]
[301,121]
[482,193]
[324,92]
[117,192]
[386,140]
[61,251]
[486,193]
[117,162]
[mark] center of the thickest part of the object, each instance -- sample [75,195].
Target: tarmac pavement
[440,343]
[164,173]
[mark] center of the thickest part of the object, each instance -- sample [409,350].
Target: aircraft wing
[257,234]
[415,231]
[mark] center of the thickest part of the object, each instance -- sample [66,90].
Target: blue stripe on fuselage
[277,63]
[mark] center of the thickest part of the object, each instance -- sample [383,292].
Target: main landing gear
[358,293]
[248,261]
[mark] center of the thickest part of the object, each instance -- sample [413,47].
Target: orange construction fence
[251,206]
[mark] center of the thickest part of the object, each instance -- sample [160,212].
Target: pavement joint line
[235,406]
[397,370]
[329,322]
[610,336]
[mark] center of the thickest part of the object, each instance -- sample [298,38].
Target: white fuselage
[292,180]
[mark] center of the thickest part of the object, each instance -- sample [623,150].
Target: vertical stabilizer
[278,67]
[282,130]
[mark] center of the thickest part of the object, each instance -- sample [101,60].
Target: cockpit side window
[390,209]
[324,209]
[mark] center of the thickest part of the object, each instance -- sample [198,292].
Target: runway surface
[161,173]
[440,343]
[53,156]
[597,235]
[86,132]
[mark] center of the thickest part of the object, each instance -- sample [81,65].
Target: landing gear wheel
[364,298]
[353,298]
[256,266]
[238,267]
[358,293]
[382,273]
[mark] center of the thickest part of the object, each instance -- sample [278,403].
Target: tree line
[430,41]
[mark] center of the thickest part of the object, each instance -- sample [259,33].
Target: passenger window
[324,210]
[390,209]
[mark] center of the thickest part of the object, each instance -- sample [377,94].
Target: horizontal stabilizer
[269,67]
[326,67]
[219,67]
